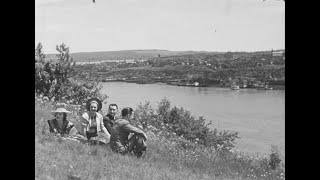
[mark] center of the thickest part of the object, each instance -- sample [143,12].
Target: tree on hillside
[53,79]
[40,75]
[61,70]
[66,64]
[39,56]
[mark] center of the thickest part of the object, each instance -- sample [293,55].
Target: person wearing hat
[92,123]
[121,129]
[60,125]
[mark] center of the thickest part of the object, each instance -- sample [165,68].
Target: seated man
[121,129]
[109,119]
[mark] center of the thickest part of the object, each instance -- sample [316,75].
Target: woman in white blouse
[92,123]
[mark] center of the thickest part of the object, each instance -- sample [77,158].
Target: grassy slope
[65,159]
[58,160]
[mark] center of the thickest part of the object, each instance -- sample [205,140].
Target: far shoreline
[208,86]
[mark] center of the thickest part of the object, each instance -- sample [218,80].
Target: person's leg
[89,135]
[102,138]
[137,145]
[92,138]
[131,143]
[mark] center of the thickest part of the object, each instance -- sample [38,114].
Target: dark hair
[126,111]
[113,105]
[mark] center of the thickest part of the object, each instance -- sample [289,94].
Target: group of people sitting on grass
[98,129]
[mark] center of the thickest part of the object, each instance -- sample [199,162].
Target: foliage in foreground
[53,79]
[181,123]
[168,156]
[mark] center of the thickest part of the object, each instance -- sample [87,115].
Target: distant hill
[125,54]
[134,54]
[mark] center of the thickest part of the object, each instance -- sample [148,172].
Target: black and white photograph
[159,89]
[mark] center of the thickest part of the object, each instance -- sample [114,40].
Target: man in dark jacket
[121,129]
[109,119]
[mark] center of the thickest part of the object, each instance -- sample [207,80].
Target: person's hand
[145,136]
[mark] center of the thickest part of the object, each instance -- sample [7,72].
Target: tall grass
[167,157]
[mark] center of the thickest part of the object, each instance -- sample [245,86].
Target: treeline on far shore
[247,70]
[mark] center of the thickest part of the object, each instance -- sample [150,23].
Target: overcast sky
[210,25]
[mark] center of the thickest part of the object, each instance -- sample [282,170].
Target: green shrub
[179,122]
[53,79]
[274,160]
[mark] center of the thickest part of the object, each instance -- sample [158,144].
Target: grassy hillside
[165,158]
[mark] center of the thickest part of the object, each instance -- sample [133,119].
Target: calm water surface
[258,115]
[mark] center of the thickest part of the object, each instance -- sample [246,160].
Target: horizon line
[172,51]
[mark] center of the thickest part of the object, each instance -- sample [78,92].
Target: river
[258,115]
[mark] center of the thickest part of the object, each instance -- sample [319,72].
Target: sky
[177,25]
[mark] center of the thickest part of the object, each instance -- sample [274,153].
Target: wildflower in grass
[174,134]
[45,99]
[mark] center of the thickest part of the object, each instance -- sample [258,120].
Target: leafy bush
[53,79]
[181,123]
[275,160]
